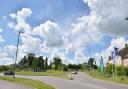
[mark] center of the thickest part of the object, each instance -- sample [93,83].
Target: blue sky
[81,26]
[61,12]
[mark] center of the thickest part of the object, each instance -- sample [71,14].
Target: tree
[50,65]
[86,65]
[23,62]
[39,63]
[31,58]
[3,68]
[46,64]
[91,62]
[65,68]
[70,66]
[75,66]
[57,62]
[42,62]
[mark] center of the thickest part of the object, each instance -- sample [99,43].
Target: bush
[4,68]
[121,70]
[126,71]
[108,69]
[65,68]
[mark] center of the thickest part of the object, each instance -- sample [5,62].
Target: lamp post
[16,52]
[126,18]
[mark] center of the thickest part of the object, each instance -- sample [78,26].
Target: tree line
[42,64]
[39,64]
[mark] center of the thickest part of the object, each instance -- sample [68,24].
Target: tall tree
[41,62]
[50,65]
[91,62]
[46,63]
[57,62]
[31,58]
[23,62]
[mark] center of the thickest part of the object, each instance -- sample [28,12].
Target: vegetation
[55,73]
[99,75]
[32,63]
[32,83]
[39,64]
[74,66]
[118,74]
[47,73]
[4,68]
[57,63]
[119,70]
[92,63]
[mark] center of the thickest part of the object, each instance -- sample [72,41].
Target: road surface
[11,85]
[81,81]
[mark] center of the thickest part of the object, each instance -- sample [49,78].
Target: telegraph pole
[16,52]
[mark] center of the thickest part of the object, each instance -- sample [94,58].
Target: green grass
[47,73]
[54,73]
[98,75]
[28,82]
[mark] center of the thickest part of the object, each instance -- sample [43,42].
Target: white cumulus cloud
[50,31]
[20,19]
[112,15]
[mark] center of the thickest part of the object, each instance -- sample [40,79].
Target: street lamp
[126,18]
[17,52]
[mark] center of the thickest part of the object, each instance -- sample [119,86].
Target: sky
[73,30]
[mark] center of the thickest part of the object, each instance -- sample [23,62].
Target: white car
[74,72]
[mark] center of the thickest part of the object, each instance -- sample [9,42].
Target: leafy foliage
[37,64]
[75,67]
[57,62]
[121,70]
[4,68]
[92,63]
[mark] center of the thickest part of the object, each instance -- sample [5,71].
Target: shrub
[109,68]
[65,68]
[126,71]
[120,70]
[3,68]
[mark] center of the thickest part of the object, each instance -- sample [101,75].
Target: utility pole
[89,50]
[117,56]
[16,53]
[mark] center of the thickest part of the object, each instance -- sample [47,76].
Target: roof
[124,53]
[109,58]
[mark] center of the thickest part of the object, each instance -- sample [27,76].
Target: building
[110,60]
[122,59]
[123,53]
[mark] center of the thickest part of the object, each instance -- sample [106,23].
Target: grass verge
[98,75]
[47,73]
[54,73]
[28,82]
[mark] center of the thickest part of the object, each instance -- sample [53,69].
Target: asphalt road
[81,81]
[11,85]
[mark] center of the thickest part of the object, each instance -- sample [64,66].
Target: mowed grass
[54,73]
[34,84]
[47,73]
[119,79]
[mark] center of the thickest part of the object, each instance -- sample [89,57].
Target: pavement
[11,85]
[81,81]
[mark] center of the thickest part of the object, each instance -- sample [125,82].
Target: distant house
[122,59]
[118,61]
[110,60]
[123,53]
